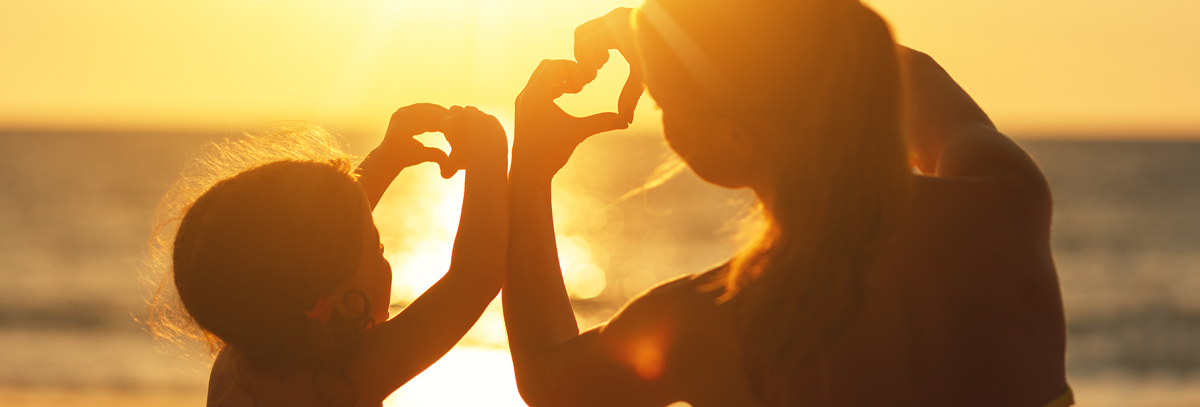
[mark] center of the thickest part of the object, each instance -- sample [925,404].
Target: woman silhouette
[904,254]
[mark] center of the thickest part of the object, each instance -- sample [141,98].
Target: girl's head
[801,102]
[282,260]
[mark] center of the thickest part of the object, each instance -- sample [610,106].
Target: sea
[76,213]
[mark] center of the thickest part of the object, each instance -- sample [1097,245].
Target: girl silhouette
[276,263]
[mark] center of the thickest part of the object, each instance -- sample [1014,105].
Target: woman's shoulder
[678,293]
[667,309]
[988,170]
[677,331]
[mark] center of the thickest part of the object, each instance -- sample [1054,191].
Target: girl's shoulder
[224,389]
[235,383]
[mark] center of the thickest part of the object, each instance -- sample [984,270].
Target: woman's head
[799,100]
[255,252]
[751,91]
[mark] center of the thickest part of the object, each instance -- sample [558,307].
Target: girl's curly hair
[252,234]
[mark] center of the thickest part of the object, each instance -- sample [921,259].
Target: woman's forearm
[537,310]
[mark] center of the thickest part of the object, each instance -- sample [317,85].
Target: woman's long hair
[816,85]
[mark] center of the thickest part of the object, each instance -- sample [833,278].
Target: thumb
[429,154]
[630,93]
[451,165]
[599,123]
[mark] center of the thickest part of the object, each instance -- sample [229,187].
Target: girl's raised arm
[397,350]
[399,149]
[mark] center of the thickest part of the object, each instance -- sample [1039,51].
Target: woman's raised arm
[556,365]
[951,135]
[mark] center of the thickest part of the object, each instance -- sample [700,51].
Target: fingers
[454,128]
[430,155]
[599,123]
[553,77]
[591,48]
[451,165]
[630,93]
[576,78]
[416,119]
[473,136]
[594,38]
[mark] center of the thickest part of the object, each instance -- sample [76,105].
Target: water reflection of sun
[418,219]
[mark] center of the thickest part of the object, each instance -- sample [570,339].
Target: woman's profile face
[707,144]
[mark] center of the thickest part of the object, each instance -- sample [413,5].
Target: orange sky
[1096,67]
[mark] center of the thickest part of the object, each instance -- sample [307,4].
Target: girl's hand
[594,38]
[545,135]
[477,140]
[399,149]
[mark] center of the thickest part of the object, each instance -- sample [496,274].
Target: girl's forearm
[448,309]
[537,309]
[481,244]
[375,176]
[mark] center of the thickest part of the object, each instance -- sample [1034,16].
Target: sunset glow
[102,102]
[1061,67]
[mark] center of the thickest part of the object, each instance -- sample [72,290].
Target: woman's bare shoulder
[670,300]
[663,317]
[990,165]
[677,332]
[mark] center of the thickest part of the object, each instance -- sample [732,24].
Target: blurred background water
[76,209]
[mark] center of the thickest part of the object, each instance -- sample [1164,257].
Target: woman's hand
[545,135]
[594,38]
[477,140]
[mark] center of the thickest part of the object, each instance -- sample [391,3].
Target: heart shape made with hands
[406,123]
[594,39]
[474,137]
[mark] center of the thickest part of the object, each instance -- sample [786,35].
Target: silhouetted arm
[555,364]
[397,350]
[951,135]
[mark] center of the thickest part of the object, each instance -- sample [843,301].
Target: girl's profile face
[374,275]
